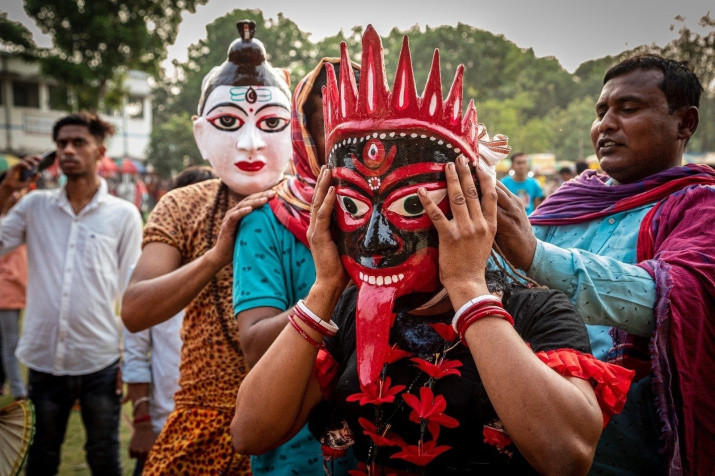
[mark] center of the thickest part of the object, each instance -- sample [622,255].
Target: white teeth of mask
[381,280]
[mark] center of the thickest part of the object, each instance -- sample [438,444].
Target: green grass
[73,458]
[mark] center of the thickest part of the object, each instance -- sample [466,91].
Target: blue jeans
[9,335]
[53,397]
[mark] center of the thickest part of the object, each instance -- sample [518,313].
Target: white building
[31,103]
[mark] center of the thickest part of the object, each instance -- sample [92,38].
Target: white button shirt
[75,264]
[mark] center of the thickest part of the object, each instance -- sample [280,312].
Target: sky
[573,31]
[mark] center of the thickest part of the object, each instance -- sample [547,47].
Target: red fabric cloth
[13,279]
[291,206]
[676,245]
[326,371]
[610,382]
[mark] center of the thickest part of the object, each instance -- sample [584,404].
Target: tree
[95,43]
[16,37]
[699,50]
[172,147]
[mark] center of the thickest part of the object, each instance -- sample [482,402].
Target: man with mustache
[634,250]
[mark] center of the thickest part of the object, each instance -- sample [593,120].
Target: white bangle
[330,327]
[477,300]
[138,402]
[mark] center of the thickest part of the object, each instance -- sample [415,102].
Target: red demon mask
[382,147]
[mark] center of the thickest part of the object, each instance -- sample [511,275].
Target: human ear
[689,120]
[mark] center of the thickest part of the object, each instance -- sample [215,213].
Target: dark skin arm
[143,436]
[160,287]
[258,328]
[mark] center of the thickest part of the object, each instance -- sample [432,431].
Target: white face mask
[244,132]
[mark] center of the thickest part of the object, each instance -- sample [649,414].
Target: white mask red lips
[249,167]
[244,132]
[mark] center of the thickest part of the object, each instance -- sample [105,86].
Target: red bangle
[471,317]
[143,418]
[298,312]
[311,341]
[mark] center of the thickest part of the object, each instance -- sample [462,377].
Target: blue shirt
[527,191]
[271,268]
[594,264]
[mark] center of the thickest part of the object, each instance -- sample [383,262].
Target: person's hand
[465,241]
[329,269]
[222,252]
[515,237]
[142,440]
[119,384]
[13,177]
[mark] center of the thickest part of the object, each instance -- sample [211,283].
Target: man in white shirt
[81,243]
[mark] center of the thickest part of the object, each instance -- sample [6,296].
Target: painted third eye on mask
[243,128]
[383,146]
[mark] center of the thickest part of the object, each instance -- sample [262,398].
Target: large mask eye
[352,206]
[226,122]
[410,206]
[273,124]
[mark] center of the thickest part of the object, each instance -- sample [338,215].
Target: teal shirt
[594,264]
[271,268]
[527,191]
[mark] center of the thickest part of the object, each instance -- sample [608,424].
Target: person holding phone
[81,243]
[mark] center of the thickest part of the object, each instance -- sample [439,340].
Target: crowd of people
[348,289]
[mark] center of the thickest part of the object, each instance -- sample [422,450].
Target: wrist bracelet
[142,419]
[477,301]
[138,402]
[304,335]
[471,317]
[330,328]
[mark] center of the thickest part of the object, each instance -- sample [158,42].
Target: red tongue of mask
[375,303]
[373,321]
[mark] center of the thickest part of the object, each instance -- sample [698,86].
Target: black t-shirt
[545,319]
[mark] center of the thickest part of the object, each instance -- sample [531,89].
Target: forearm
[605,291]
[271,399]
[275,398]
[152,301]
[553,421]
[258,332]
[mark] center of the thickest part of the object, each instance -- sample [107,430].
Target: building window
[135,107]
[59,98]
[26,94]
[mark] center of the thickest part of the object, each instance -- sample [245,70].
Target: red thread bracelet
[304,335]
[143,418]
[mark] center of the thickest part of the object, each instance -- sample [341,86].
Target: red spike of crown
[350,110]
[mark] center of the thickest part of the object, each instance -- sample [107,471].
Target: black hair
[680,83]
[581,166]
[517,154]
[97,127]
[565,170]
[193,174]
[321,80]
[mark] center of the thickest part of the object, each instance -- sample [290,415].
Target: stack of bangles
[478,308]
[301,311]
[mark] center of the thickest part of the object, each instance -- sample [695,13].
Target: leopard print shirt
[212,365]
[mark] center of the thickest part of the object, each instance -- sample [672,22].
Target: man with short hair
[520,184]
[635,251]
[81,242]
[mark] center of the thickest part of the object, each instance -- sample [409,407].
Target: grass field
[73,460]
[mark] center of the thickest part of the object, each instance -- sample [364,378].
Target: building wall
[28,129]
